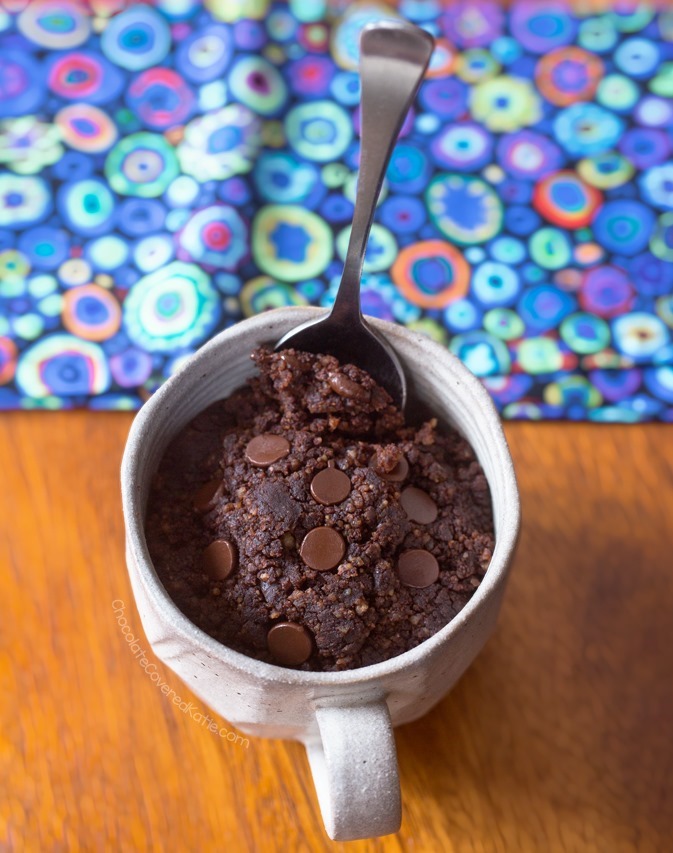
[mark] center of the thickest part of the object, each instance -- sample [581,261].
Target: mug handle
[354,766]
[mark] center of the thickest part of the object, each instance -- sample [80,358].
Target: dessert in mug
[303,523]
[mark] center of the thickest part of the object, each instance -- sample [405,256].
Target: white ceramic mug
[345,719]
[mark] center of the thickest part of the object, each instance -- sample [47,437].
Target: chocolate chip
[330,486]
[290,644]
[263,450]
[322,548]
[417,568]
[345,387]
[207,495]
[396,475]
[219,559]
[418,505]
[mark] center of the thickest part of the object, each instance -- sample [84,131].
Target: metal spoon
[393,59]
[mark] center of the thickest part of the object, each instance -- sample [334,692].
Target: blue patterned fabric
[167,169]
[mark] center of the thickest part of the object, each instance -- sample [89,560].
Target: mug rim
[138,552]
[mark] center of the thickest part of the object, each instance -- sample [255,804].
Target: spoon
[393,59]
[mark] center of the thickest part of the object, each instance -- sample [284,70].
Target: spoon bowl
[393,58]
[356,344]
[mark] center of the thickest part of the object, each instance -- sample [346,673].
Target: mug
[345,719]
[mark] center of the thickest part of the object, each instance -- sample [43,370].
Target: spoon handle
[393,59]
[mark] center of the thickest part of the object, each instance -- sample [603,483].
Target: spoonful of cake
[393,59]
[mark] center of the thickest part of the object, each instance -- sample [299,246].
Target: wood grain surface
[559,737]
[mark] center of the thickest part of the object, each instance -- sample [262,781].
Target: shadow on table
[562,726]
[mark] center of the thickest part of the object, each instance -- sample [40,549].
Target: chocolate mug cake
[302,522]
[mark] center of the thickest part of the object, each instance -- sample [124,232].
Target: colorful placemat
[167,169]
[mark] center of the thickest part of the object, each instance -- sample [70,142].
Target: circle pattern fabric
[168,168]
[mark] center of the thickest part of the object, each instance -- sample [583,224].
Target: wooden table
[560,736]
